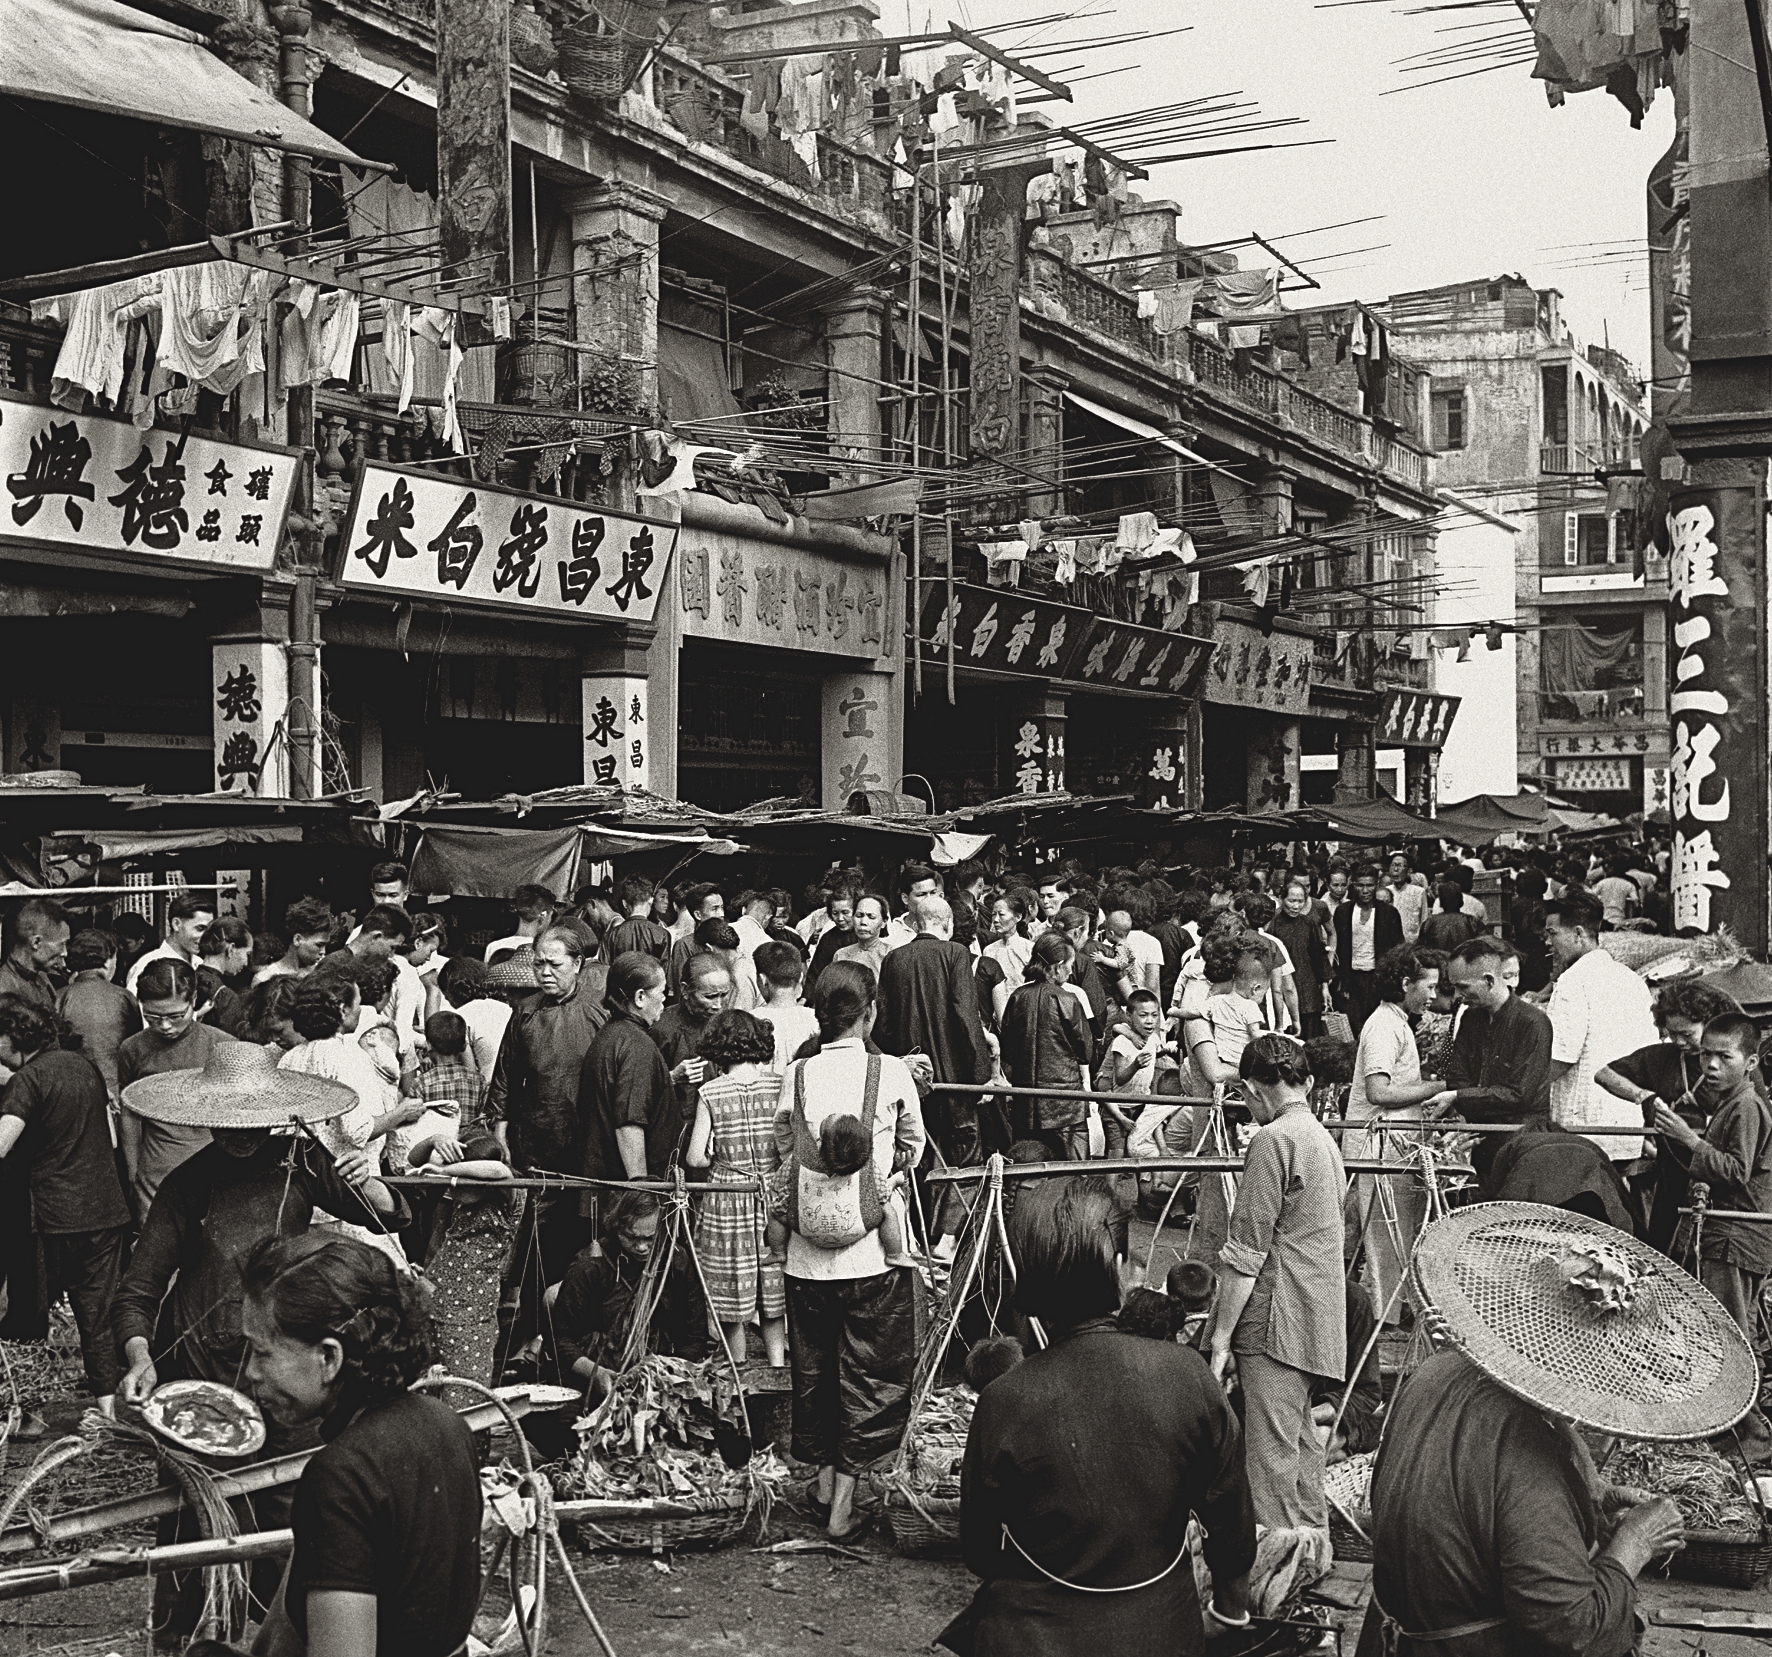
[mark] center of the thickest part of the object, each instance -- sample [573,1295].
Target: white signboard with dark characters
[420,536]
[85,483]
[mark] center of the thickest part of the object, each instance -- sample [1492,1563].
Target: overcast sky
[1474,178]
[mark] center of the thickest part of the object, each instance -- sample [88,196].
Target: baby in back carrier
[830,1195]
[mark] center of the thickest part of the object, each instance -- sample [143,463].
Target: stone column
[1273,765]
[863,736]
[1356,771]
[853,329]
[1033,742]
[1045,456]
[615,281]
[618,712]
[1273,492]
[473,42]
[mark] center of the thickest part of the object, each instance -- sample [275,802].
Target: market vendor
[176,1312]
[1493,1534]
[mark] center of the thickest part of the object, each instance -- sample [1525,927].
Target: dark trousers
[21,1261]
[1359,991]
[853,1341]
[86,1265]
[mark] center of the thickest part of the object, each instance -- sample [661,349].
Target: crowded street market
[784,881]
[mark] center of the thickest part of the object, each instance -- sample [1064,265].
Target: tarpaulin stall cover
[1481,818]
[494,862]
[1381,819]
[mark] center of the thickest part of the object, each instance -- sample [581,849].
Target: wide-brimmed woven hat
[240,1087]
[515,972]
[1585,1321]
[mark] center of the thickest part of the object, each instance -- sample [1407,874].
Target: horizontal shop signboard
[999,629]
[1595,776]
[1251,669]
[1415,719]
[421,536]
[86,483]
[746,591]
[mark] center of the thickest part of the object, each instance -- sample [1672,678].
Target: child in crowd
[447,1071]
[781,969]
[469,1241]
[990,1361]
[844,1203]
[1237,1015]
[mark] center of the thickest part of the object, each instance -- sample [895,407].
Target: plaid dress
[729,1238]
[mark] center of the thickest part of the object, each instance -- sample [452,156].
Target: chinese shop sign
[997,629]
[421,536]
[618,743]
[1716,635]
[1413,719]
[1252,671]
[740,591]
[88,484]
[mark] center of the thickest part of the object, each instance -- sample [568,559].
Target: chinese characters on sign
[1412,719]
[1594,776]
[753,592]
[101,486]
[1719,844]
[854,713]
[442,538]
[249,699]
[1250,671]
[618,745]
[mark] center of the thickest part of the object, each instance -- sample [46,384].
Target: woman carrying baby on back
[851,1312]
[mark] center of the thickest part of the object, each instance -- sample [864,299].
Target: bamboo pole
[109,1564]
[1151,1165]
[264,1475]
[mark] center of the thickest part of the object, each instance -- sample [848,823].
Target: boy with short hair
[1238,1015]
[781,969]
[447,1070]
[639,931]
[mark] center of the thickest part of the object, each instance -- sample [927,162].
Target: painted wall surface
[1475,558]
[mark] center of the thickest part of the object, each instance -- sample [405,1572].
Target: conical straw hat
[240,1087]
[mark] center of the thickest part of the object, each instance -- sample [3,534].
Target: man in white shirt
[465,987]
[755,911]
[915,880]
[1599,1011]
[383,931]
[188,917]
[535,908]
[1410,899]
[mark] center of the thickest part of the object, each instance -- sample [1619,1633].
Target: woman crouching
[387,1515]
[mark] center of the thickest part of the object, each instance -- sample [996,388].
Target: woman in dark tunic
[1046,1043]
[1085,1462]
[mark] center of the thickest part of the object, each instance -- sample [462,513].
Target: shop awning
[98,55]
[1149,433]
[1479,819]
[474,862]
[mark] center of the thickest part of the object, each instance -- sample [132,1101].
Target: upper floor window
[1590,538]
[1449,418]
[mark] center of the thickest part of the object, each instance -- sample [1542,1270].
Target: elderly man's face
[708,994]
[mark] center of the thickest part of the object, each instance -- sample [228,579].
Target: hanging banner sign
[998,629]
[416,535]
[1716,705]
[84,483]
[1414,719]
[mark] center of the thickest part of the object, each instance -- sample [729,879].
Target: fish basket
[1348,1488]
[723,1524]
[1727,1558]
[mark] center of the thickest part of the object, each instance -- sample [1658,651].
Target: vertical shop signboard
[618,746]
[1717,704]
[249,702]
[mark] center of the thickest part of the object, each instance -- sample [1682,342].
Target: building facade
[718,504]
[1531,427]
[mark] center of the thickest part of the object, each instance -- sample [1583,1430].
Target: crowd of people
[180,1109]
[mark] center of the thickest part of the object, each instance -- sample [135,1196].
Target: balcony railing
[1274,394]
[1088,301]
[1580,460]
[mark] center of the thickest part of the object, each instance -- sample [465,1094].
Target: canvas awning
[99,55]
[1479,819]
[476,862]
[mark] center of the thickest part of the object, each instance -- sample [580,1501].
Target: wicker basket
[926,1529]
[591,64]
[1728,1558]
[716,1528]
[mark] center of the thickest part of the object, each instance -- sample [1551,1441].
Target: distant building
[1531,427]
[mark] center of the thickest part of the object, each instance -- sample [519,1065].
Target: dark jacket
[1303,939]
[1500,1070]
[1448,932]
[1092,1454]
[593,1313]
[625,1083]
[1046,1043]
[1387,933]
[535,1081]
[929,1003]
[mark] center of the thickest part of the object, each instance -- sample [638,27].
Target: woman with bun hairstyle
[386,1517]
[1047,1043]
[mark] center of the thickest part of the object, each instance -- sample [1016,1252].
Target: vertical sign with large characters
[618,739]
[1717,704]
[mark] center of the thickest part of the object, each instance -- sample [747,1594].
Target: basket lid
[1585,1321]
